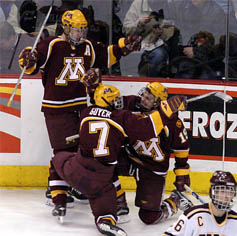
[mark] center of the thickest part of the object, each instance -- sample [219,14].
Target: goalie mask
[223,190]
[151,95]
[105,95]
[75,27]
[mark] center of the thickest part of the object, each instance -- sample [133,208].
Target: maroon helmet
[223,190]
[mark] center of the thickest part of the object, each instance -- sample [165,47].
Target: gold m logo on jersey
[72,71]
[150,149]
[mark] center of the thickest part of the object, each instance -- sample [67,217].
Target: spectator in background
[192,16]
[5,7]
[232,54]
[7,41]
[202,53]
[2,15]
[203,59]
[10,8]
[142,19]
[232,11]
[97,29]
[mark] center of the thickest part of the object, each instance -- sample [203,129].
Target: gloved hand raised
[173,104]
[28,59]
[130,44]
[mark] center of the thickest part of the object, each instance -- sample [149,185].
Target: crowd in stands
[181,38]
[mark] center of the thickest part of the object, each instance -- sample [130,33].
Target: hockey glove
[28,59]
[92,79]
[173,104]
[182,178]
[130,44]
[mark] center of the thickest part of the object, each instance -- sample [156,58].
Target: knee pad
[150,217]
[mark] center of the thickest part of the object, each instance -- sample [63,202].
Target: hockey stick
[70,139]
[194,194]
[32,50]
[223,96]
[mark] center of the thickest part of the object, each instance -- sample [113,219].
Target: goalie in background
[214,218]
[63,61]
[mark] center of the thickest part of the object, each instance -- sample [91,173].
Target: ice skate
[107,228]
[184,202]
[79,196]
[49,201]
[122,215]
[59,211]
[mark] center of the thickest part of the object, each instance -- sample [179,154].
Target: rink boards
[24,146]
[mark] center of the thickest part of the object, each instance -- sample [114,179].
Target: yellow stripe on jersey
[179,172]
[197,210]
[232,216]
[181,153]
[157,122]
[111,58]
[116,125]
[64,105]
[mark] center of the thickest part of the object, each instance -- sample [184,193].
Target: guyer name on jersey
[200,122]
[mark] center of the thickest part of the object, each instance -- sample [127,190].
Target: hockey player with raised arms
[63,60]
[210,219]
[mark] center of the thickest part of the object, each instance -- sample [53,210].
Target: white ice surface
[24,213]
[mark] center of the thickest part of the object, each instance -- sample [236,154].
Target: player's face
[147,100]
[78,34]
[225,194]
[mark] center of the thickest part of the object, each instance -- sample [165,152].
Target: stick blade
[224,96]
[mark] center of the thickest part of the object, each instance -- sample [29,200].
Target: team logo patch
[108,90]
[179,124]
[69,15]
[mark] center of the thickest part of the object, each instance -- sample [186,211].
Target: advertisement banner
[10,134]
[206,124]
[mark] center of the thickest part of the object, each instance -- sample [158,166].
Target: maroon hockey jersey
[154,153]
[103,132]
[63,66]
